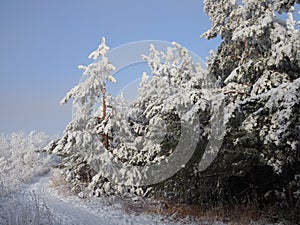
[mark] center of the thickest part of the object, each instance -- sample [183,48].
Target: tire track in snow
[74,211]
[65,209]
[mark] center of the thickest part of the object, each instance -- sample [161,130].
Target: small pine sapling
[87,93]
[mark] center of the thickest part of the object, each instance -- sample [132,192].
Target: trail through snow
[71,210]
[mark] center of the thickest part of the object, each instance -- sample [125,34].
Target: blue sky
[43,42]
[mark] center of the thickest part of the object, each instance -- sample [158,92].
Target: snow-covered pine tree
[87,93]
[169,95]
[258,63]
[147,132]
[86,132]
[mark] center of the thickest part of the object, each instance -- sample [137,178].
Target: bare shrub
[59,183]
[240,214]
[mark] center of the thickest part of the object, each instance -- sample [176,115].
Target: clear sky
[43,42]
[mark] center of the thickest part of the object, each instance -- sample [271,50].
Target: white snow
[37,200]
[73,210]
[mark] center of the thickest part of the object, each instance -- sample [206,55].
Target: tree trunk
[105,136]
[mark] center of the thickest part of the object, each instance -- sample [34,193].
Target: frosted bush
[21,158]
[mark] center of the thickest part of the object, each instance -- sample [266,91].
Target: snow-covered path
[66,209]
[71,210]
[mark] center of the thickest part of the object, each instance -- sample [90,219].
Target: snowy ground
[59,208]
[33,193]
[29,194]
[73,210]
